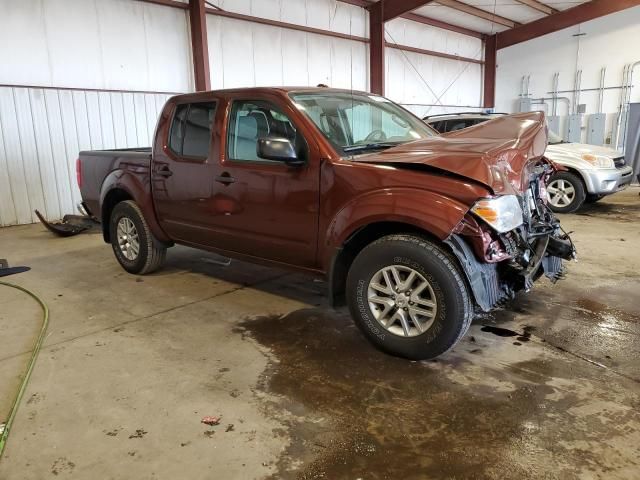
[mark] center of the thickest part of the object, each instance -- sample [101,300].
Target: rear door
[185,158]
[265,208]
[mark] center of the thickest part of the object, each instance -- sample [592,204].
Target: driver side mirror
[278,149]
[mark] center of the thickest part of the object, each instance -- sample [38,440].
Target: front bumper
[492,284]
[607,181]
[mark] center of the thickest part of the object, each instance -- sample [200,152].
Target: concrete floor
[131,365]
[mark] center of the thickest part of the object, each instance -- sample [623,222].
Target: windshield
[358,123]
[554,138]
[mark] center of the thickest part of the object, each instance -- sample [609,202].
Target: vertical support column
[199,45]
[490,63]
[376,48]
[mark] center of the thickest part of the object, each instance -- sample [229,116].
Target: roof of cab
[256,90]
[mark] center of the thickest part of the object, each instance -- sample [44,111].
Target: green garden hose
[6,428]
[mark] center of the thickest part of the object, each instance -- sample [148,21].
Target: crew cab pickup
[414,231]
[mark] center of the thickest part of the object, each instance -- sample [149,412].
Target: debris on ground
[209,433]
[230,428]
[211,420]
[70,225]
[5,270]
[139,433]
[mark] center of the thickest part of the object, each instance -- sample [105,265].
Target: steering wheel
[376,136]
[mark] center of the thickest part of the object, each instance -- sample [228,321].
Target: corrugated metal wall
[41,133]
[243,54]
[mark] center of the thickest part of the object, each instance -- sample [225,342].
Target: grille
[619,162]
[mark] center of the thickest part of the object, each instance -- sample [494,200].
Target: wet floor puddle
[354,412]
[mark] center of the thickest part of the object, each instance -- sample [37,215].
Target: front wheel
[566,192]
[135,248]
[408,297]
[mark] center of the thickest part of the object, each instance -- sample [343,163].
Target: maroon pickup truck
[413,230]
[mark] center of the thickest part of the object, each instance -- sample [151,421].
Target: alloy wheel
[402,300]
[128,238]
[561,193]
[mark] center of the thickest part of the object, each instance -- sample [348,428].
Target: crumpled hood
[495,153]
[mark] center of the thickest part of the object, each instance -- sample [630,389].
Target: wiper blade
[368,146]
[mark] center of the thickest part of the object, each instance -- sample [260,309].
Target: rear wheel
[133,243]
[566,192]
[408,297]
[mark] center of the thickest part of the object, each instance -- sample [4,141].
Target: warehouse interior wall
[243,54]
[425,84]
[93,74]
[608,42]
[103,64]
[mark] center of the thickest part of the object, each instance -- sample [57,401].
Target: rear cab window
[190,133]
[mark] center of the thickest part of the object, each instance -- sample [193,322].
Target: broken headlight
[503,213]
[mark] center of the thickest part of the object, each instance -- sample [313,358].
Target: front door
[259,207]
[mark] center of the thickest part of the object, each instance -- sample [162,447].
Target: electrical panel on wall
[524,105]
[574,134]
[553,121]
[595,130]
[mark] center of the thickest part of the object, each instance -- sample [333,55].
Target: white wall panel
[103,44]
[245,54]
[41,133]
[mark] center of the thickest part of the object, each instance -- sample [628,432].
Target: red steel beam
[277,23]
[561,20]
[443,25]
[395,8]
[478,12]
[199,45]
[376,48]
[432,53]
[490,64]
[422,19]
[539,6]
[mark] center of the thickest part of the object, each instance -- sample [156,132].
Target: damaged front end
[505,248]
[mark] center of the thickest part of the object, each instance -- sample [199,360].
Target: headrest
[247,127]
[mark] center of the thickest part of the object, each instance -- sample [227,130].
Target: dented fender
[426,210]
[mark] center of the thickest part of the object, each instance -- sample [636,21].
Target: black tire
[593,198]
[454,310]
[578,187]
[151,253]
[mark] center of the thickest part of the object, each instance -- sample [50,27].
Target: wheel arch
[345,254]
[121,185]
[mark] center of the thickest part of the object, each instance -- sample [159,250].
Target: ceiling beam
[424,20]
[539,6]
[394,8]
[440,24]
[563,19]
[477,12]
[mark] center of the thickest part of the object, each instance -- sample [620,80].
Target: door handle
[225,178]
[164,171]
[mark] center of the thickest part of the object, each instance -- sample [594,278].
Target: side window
[438,126]
[190,134]
[176,136]
[458,125]
[252,120]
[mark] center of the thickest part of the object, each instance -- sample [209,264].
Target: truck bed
[96,165]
